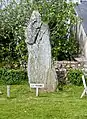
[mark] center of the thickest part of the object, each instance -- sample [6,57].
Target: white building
[81,11]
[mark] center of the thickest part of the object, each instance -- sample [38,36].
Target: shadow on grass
[12,97]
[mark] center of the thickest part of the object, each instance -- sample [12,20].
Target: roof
[82,13]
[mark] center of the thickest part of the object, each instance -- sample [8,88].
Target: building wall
[74,1]
[82,37]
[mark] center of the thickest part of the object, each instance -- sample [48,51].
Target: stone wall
[66,65]
[62,67]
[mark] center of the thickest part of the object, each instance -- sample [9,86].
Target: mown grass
[23,104]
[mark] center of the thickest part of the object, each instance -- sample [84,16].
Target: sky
[5,2]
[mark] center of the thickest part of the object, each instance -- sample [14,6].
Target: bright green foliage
[12,76]
[75,76]
[60,17]
[13,17]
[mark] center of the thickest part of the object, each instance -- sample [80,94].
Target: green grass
[23,104]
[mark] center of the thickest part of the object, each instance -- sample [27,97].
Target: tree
[12,32]
[13,21]
[61,18]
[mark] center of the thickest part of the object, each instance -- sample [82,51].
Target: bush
[12,76]
[75,76]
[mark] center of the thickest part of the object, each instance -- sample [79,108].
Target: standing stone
[39,53]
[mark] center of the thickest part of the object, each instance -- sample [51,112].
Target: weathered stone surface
[39,52]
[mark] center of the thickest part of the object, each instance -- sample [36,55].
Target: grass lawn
[23,104]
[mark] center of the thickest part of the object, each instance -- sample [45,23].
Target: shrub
[75,76]
[12,76]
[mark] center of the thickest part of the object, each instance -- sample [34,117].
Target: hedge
[75,76]
[12,76]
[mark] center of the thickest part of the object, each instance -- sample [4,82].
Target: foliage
[13,17]
[75,76]
[12,77]
[61,19]
[59,15]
